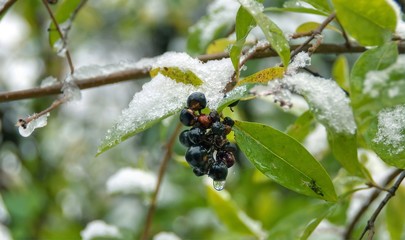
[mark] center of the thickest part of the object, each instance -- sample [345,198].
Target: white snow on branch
[97,229]
[31,126]
[391,126]
[131,180]
[376,80]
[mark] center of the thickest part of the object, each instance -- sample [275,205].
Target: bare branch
[6,6]
[136,73]
[391,192]
[162,170]
[62,37]
[366,205]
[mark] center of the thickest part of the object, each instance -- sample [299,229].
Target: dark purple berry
[218,171]
[198,172]
[196,135]
[228,121]
[226,157]
[229,147]
[218,128]
[184,138]
[214,116]
[197,156]
[196,101]
[187,117]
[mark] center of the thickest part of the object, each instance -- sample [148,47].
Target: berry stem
[162,170]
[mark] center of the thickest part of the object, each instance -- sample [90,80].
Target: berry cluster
[209,151]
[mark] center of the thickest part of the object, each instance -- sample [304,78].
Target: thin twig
[314,33]
[62,37]
[6,6]
[391,192]
[366,205]
[162,170]
[136,73]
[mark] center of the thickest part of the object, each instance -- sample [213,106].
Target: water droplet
[219,185]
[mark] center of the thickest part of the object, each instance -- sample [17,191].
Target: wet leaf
[284,160]
[178,75]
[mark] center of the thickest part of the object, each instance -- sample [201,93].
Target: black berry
[214,116]
[218,171]
[196,136]
[226,157]
[196,101]
[184,138]
[198,172]
[218,128]
[229,147]
[228,121]
[187,117]
[197,156]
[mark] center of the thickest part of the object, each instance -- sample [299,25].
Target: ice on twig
[48,81]
[100,229]
[60,47]
[131,180]
[26,130]
[71,91]
[391,126]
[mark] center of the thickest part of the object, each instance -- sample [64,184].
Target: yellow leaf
[219,46]
[263,76]
[310,26]
[178,75]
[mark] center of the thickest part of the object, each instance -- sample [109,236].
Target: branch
[6,6]
[366,205]
[62,37]
[136,73]
[390,194]
[162,170]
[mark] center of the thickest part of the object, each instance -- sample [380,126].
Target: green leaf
[344,148]
[271,31]
[263,76]
[396,215]
[231,216]
[244,23]
[302,126]
[295,10]
[178,75]
[238,93]
[321,5]
[340,72]
[300,224]
[63,12]
[284,160]
[369,22]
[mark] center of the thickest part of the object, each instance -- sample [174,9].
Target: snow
[253,6]
[391,125]
[131,180]
[317,142]
[163,96]
[220,13]
[166,236]
[48,81]
[326,99]
[71,91]
[31,126]
[376,80]
[5,233]
[302,59]
[99,228]
[400,28]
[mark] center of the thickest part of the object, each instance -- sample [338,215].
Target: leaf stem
[162,170]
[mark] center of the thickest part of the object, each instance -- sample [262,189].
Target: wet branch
[366,205]
[162,170]
[390,193]
[136,73]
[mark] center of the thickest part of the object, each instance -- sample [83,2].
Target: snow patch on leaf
[391,126]
[130,180]
[98,228]
[162,96]
[376,80]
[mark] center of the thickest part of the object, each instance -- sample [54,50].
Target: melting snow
[375,80]
[31,126]
[130,180]
[163,96]
[48,81]
[391,126]
[98,228]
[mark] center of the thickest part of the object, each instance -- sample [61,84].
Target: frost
[391,126]
[130,180]
[48,81]
[31,126]
[166,236]
[163,96]
[97,229]
[375,80]
[220,13]
[302,59]
[326,100]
